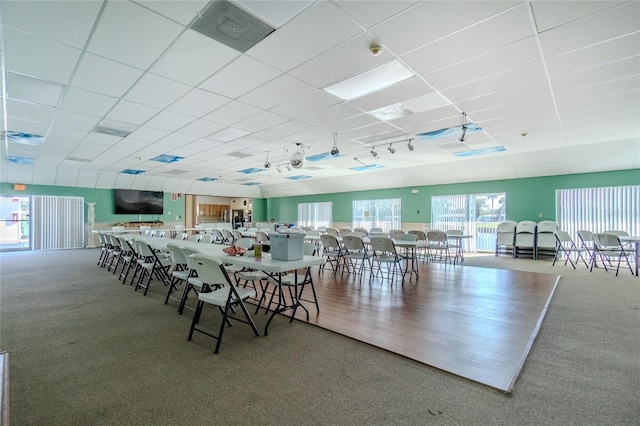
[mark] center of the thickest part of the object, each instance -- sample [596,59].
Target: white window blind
[385,214]
[315,214]
[58,222]
[599,209]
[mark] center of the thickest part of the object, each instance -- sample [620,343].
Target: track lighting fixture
[463,119]
[391,149]
[278,169]
[411,147]
[267,164]
[335,151]
[464,132]
[373,151]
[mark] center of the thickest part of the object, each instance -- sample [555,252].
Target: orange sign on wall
[19,187]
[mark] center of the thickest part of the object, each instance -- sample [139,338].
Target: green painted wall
[104,199]
[525,197]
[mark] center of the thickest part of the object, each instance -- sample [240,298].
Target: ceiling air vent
[111,131]
[227,23]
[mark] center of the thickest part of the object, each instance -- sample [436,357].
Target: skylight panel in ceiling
[370,81]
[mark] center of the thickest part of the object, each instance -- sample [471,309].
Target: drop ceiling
[126,94]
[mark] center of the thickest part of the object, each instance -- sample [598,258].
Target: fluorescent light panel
[370,81]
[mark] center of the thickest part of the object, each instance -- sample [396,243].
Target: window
[474,214]
[315,214]
[599,209]
[385,214]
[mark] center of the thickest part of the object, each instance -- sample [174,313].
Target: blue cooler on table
[287,245]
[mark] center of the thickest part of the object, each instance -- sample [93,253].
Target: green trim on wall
[105,202]
[526,197]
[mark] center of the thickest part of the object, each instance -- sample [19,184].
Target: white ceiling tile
[64,21]
[615,22]
[232,113]
[26,126]
[307,104]
[183,11]
[201,128]
[599,74]
[131,112]
[341,62]
[594,55]
[60,59]
[82,101]
[32,112]
[275,13]
[192,58]
[156,91]
[276,92]
[239,77]
[509,79]
[598,90]
[334,113]
[27,89]
[503,29]
[372,12]
[44,174]
[91,72]
[173,140]
[261,121]
[197,103]
[88,177]
[228,134]
[429,21]
[289,46]
[75,120]
[549,15]
[117,35]
[20,173]
[147,134]
[67,176]
[169,121]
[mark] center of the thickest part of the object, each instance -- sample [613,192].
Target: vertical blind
[315,214]
[385,214]
[599,209]
[58,222]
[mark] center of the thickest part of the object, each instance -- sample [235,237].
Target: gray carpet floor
[86,350]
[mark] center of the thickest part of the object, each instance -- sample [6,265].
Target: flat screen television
[130,201]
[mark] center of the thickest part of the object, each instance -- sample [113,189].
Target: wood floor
[478,323]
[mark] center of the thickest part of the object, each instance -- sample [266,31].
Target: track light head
[267,164]
[288,167]
[391,149]
[373,152]
[278,169]
[335,151]
[464,132]
[411,147]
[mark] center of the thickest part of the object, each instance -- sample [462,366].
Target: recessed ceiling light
[370,81]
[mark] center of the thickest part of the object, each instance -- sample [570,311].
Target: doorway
[15,223]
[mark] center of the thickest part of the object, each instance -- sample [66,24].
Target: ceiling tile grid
[564,74]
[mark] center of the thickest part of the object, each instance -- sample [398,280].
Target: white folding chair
[384,252]
[568,248]
[608,247]
[218,290]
